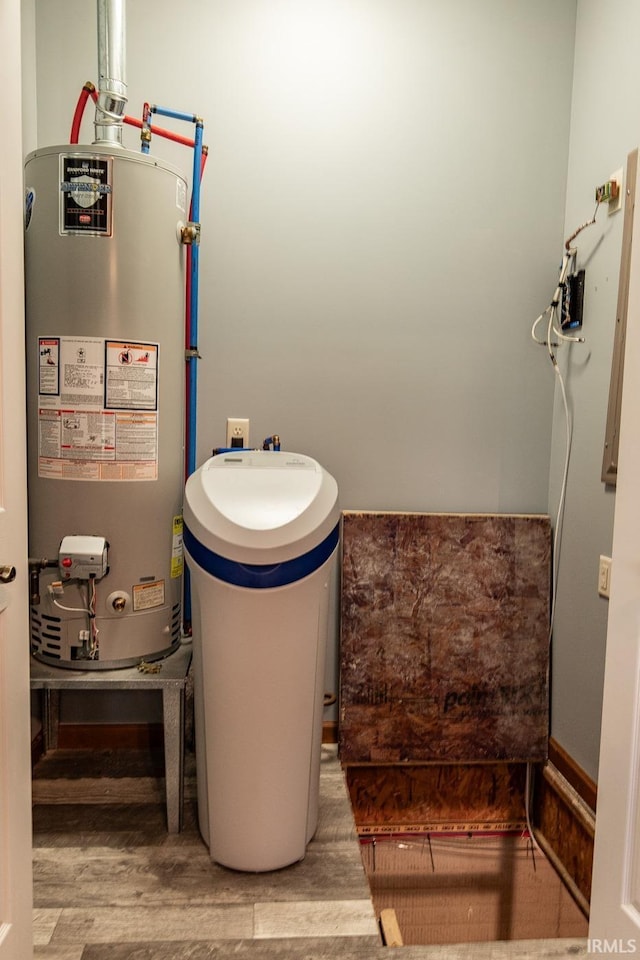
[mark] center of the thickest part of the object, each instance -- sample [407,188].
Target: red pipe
[90,90]
[77,117]
[187,345]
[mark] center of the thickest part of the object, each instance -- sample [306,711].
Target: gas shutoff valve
[83,558]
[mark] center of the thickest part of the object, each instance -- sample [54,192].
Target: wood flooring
[111,884]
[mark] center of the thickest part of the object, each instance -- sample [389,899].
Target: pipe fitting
[118,602]
[191,233]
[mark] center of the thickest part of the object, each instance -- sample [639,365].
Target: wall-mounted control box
[83,558]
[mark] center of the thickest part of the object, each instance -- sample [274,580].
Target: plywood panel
[437,798]
[567,826]
[444,646]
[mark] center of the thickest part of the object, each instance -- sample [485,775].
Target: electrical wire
[89,611]
[551,345]
[554,338]
[61,606]
[557,533]
[95,644]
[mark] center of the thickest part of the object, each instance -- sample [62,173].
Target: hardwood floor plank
[80,877]
[321,948]
[55,952]
[100,790]
[44,923]
[130,924]
[123,824]
[325,918]
[336,948]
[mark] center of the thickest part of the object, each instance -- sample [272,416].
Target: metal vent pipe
[112,87]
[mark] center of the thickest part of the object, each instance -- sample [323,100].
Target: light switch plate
[604,576]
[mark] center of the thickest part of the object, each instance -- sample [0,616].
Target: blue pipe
[193,345]
[176,114]
[193,315]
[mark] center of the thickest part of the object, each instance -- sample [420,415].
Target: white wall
[604,128]
[382,217]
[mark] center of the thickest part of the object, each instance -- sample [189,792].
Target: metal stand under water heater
[105,378]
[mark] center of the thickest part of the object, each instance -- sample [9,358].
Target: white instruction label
[97,409]
[132,376]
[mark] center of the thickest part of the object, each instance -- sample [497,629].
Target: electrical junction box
[83,558]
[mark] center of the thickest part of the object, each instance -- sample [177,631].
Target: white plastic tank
[261,536]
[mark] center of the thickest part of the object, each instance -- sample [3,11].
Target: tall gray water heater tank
[105,378]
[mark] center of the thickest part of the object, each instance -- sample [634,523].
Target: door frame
[615,901]
[16,890]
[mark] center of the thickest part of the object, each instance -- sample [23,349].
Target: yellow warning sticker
[177,550]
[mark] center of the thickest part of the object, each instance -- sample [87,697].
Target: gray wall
[383,211]
[604,128]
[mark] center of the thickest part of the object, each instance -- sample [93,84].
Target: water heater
[105,377]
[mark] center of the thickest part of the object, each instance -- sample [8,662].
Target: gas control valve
[83,558]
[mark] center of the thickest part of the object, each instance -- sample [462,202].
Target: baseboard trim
[110,736]
[581,782]
[330,731]
[135,736]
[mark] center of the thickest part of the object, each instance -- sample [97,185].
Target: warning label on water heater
[97,409]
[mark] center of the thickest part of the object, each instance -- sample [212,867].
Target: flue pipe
[112,88]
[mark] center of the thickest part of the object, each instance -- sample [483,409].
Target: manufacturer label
[85,195]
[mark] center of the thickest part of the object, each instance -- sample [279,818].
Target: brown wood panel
[110,736]
[567,825]
[330,731]
[448,798]
[444,644]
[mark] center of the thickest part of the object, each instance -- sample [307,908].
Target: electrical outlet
[616,204]
[237,432]
[604,576]
[611,191]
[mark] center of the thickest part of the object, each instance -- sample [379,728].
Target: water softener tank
[105,378]
[261,540]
